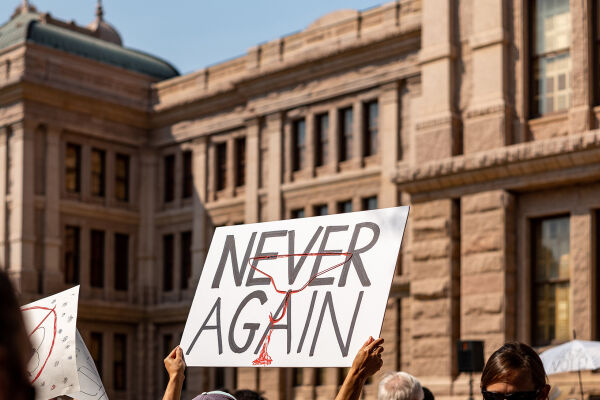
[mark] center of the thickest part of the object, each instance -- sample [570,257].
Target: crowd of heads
[513,372]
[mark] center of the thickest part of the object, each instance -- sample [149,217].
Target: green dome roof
[28,27]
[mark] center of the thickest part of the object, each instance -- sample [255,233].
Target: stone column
[274,128]
[199,168]
[581,67]
[434,274]
[146,286]
[22,209]
[253,157]
[582,273]
[3,188]
[437,124]
[53,277]
[487,268]
[358,132]
[487,123]
[389,134]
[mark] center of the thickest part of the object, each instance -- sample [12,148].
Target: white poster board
[296,293]
[90,383]
[50,323]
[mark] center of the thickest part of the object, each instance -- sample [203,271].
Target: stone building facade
[482,115]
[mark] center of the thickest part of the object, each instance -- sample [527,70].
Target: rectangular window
[240,161]
[98,172]
[72,255]
[186,259]
[188,177]
[169,178]
[97,258]
[221,165]
[120,361]
[344,206]
[322,140]
[219,378]
[121,261]
[320,375]
[346,133]
[168,255]
[320,209]
[167,346]
[96,349]
[370,203]
[298,144]
[73,168]
[597,287]
[297,376]
[122,177]
[551,58]
[550,280]
[371,128]
[297,213]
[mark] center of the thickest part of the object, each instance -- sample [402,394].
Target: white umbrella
[576,355]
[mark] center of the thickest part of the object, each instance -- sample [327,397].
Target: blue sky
[192,34]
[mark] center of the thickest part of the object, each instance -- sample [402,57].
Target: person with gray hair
[400,386]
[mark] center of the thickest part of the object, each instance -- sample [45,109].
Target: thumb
[179,354]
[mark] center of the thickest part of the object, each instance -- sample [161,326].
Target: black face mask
[533,395]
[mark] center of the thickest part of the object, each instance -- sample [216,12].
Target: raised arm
[175,367]
[366,363]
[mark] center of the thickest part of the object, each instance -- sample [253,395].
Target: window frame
[345,134]
[123,180]
[75,170]
[101,175]
[299,148]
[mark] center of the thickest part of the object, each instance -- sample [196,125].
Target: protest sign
[297,293]
[50,324]
[90,383]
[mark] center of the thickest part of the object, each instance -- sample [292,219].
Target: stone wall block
[481,241]
[429,269]
[430,366]
[433,228]
[431,249]
[431,209]
[486,221]
[426,289]
[431,348]
[481,304]
[482,262]
[430,328]
[491,323]
[489,282]
[486,201]
[434,308]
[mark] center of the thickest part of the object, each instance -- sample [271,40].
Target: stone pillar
[358,132]
[487,268]
[147,286]
[3,188]
[22,209]
[581,67]
[582,273]
[434,273]
[437,125]
[253,157]
[389,134]
[487,123]
[53,277]
[274,134]
[199,168]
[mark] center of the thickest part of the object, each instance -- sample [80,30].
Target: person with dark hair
[514,372]
[15,349]
[246,394]
[427,394]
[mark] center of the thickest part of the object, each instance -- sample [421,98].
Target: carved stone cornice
[508,166]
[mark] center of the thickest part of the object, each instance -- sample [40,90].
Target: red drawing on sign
[264,358]
[39,328]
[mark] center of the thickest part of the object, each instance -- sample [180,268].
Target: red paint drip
[263,357]
[51,311]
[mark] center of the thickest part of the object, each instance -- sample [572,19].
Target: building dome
[102,29]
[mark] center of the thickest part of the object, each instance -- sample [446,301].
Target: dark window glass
[169,178]
[168,255]
[322,140]
[221,165]
[240,159]
[96,349]
[550,280]
[346,133]
[297,213]
[371,128]
[320,209]
[122,177]
[188,178]
[120,361]
[320,374]
[98,172]
[121,261]
[341,375]
[551,58]
[597,287]
[73,168]
[72,255]
[298,144]
[96,258]
[167,346]
[297,376]
[344,206]
[186,259]
[370,203]
[219,378]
